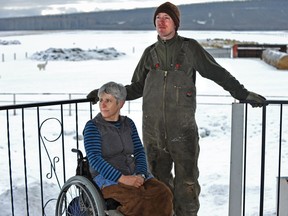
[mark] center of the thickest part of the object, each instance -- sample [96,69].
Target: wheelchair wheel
[79,196]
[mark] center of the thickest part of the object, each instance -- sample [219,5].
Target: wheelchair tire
[79,196]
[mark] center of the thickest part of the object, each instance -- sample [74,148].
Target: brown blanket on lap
[154,198]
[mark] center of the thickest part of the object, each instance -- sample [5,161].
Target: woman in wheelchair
[118,161]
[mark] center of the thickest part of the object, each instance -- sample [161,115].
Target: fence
[38,142]
[13,57]
[215,52]
[272,159]
[36,157]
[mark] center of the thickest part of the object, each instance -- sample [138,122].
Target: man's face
[165,26]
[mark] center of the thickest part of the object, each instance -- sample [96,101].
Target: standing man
[165,78]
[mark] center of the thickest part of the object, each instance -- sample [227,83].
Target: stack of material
[276,58]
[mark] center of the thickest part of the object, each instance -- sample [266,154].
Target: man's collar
[170,41]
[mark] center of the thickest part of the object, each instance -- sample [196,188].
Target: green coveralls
[165,77]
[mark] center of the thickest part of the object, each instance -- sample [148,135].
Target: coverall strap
[181,59]
[181,56]
[154,57]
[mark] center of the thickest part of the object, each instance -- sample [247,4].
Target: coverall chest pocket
[185,95]
[184,90]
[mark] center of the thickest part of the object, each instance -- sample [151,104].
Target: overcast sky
[16,8]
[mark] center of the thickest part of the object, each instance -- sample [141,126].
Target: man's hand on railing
[93,96]
[255,100]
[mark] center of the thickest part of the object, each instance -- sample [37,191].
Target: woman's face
[165,26]
[109,107]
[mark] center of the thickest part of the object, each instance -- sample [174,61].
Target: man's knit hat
[172,10]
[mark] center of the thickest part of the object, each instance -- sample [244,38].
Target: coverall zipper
[164,104]
[164,93]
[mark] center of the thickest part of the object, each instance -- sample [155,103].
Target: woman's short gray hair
[115,89]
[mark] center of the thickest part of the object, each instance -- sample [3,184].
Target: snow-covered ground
[214,121]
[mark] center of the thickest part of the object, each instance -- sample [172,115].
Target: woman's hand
[132,180]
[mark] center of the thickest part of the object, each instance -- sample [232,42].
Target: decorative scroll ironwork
[55,159]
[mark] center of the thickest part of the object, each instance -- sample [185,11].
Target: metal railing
[44,156]
[36,157]
[270,143]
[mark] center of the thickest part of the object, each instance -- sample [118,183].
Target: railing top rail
[41,104]
[44,93]
[269,101]
[82,100]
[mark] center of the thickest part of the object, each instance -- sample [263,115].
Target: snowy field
[21,75]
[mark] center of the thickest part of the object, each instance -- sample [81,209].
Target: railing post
[129,109]
[282,208]
[14,102]
[70,111]
[236,160]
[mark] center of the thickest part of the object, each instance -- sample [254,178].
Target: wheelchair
[80,196]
